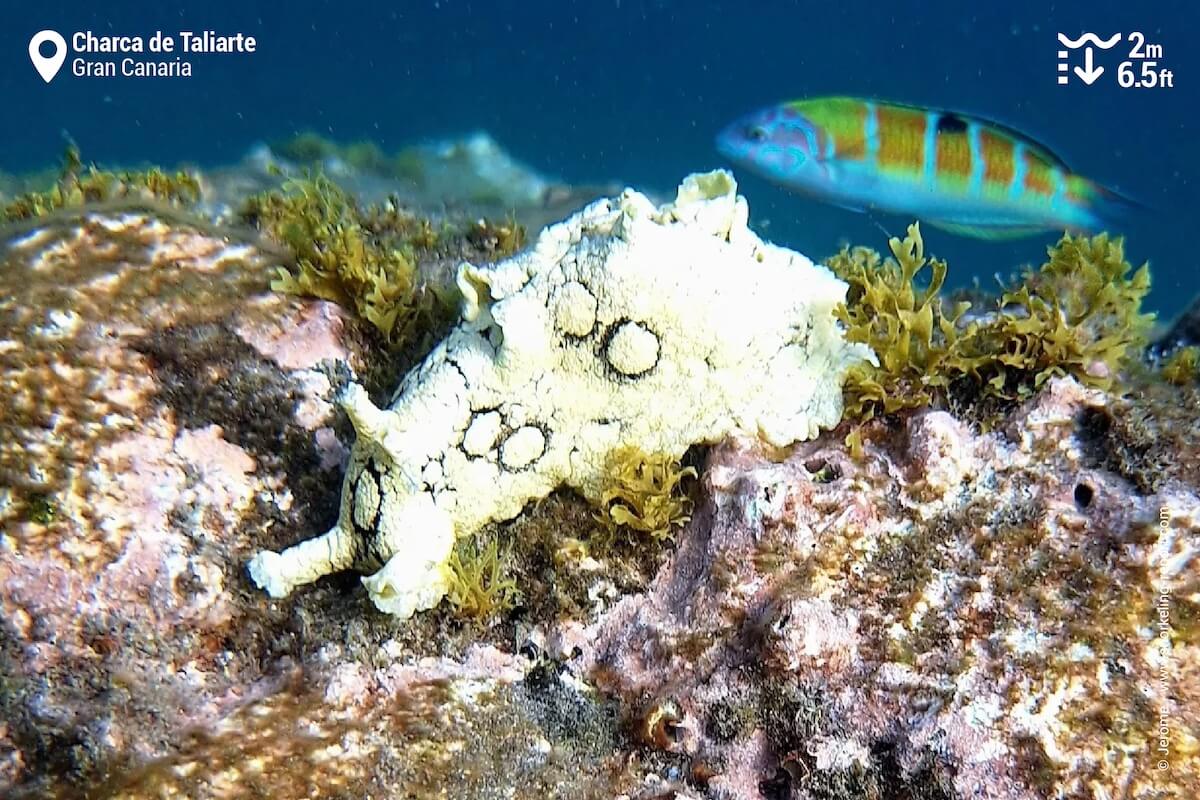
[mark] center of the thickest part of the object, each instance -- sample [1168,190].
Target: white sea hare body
[625,325]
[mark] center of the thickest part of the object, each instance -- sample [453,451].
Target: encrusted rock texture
[163,411]
[947,613]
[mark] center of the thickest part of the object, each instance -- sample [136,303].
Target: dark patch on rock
[730,718]
[792,713]
[386,365]
[1183,332]
[797,715]
[588,724]
[968,404]
[551,589]
[930,779]
[776,787]
[208,375]
[1122,441]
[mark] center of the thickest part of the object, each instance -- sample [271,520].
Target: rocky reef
[935,599]
[949,614]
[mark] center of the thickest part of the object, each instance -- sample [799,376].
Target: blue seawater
[634,90]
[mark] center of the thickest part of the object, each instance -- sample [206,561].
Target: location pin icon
[48,66]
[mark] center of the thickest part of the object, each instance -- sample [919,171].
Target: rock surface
[953,615]
[162,411]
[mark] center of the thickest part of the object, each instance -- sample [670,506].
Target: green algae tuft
[366,257]
[41,509]
[1079,314]
[341,254]
[644,493]
[1183,366]
[78,186]
[478,586]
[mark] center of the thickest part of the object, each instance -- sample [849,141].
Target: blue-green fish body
[955,171]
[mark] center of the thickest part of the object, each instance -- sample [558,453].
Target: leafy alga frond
[365,257]
[644,493]
[478,586]
[913,337]
[1079,314]
[337,257]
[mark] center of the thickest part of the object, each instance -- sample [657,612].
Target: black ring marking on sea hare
[607,338]
[502,439]
[372,469]
[571,338]
[369,538]
[502,433]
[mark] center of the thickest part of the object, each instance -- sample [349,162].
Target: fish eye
[756,133]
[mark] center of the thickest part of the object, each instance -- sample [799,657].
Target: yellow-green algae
[1079,314]
[1183,366]
[41,509]
[336,257]
[644,492]
[478,586]
[78,186]
[365,258]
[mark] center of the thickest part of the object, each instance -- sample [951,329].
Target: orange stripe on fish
[953,149]
[901,138]
[1038,179]
[997,152]
[851,143]
[844,120]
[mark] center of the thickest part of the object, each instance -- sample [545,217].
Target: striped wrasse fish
[962,173]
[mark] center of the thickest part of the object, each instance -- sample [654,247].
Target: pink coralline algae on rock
[150,383]
[164,414]
[953,615]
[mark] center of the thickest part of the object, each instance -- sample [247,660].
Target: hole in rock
[1084,495]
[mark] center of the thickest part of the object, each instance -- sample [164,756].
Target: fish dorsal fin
[1032,145]
[1035,148]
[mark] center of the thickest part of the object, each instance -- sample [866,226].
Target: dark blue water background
[635,91]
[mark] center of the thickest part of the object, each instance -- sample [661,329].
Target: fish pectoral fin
[993,232]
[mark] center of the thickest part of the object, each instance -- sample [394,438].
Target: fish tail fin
[1109,207]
